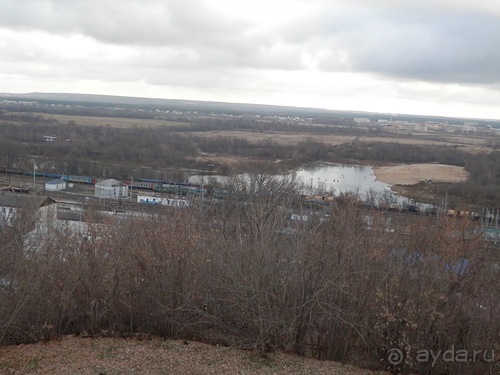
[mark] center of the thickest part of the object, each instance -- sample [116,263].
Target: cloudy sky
[439,57]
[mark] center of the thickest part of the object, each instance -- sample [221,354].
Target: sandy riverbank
[409,174]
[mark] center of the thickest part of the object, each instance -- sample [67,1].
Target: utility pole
[179,184]
[202,183]
[34,168]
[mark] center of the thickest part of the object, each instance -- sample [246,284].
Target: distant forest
[148,152]
[91,105]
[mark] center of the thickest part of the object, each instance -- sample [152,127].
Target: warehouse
[111,189]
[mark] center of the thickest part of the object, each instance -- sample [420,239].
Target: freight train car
[55,176]
[36,174]
[80,179]
[180,189]
[140,184]
[11,170]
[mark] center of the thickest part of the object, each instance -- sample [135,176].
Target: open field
[410,174]
[146,148]
[115,122]
[284,138]
[465,142]
[72,355]
[470,144]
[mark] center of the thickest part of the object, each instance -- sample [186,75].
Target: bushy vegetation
[403,153]
[244,275]
[153,152]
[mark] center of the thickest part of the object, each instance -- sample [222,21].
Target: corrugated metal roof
[24,201]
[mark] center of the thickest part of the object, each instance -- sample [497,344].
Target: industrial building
[111,189]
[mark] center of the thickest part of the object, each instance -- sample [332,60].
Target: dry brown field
[470,144]
[72,355]
[116,122]
[409,174]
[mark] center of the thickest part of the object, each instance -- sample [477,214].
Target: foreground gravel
[106,356]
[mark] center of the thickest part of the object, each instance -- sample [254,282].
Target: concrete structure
[55,185]
[111,189]
[13,206]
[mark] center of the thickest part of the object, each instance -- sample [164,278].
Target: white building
[111,189]
[55,185]
[418,127]
[362,120]
[297,217]
[147,199]
[172,202]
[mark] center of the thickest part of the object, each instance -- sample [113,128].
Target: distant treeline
[104,151]
[117,106]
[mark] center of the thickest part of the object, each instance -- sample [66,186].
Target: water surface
[327,179]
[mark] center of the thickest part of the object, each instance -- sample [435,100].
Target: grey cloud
[146,22]
[174,28]
[453,41]
[431,46]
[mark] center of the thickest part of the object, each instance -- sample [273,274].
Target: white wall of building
[111,189]
[53,186]
[172,202]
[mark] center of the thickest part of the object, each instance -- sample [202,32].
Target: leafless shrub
[241,273]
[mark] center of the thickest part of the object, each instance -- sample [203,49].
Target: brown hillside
[72,355]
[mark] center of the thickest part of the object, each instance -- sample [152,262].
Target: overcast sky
[439,57]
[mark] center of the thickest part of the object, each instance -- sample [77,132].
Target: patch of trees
[481,189]
[402,153]
[76,109]
[97,150]
[273,125]
[310,150]
[483,185]
[267,149]
[104,151]
[101,145]
[244,275]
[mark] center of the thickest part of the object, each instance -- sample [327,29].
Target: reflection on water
[337,179]
[329,179]
[334,179]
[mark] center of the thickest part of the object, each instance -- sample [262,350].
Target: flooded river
[329,179]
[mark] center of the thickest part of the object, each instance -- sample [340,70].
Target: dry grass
[466,143]
[72,355]
[469,143]
[115,122]
[284,138]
